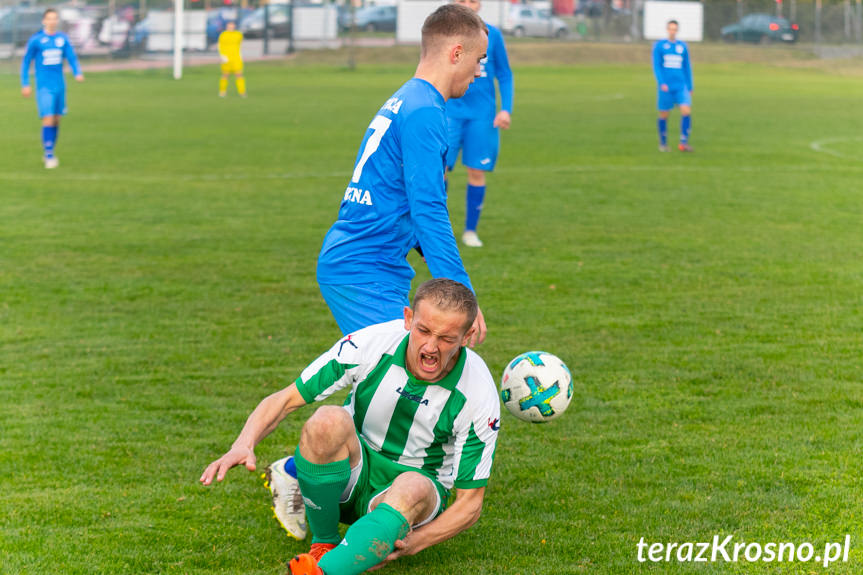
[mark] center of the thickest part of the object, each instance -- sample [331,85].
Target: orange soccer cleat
[304,564]
[319,549]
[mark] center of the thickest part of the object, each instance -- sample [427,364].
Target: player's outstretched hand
[479,330]
[664,87]
[402,549]
[79,78]
[236,456]
[26,91]
[502,120]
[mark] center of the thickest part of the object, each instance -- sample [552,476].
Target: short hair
[675,22]
[448,295]
[449,21]
[49,11]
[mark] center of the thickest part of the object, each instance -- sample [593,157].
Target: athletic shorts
[357,306]
[373,476]
[680,97]
[478,140]
[232,67]
[50,103]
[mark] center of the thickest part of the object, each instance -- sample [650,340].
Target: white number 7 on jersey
[379,127]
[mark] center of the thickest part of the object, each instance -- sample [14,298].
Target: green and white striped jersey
[447,430]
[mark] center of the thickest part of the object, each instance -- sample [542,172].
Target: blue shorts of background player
[678,97]
[51,102]
[362,305]
[478,141]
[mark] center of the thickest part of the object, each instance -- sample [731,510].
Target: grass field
[161,282]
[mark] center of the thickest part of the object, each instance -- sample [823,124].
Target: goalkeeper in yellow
[230,42]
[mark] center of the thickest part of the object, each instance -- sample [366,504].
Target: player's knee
[475,177]
[664,115]
[327,427]
[412,494]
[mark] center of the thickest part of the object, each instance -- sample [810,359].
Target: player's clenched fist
[236,456]
[26,91]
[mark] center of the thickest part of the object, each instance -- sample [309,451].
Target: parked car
[18,24]
[218,18]
[761,28]
[524,20]
[280,22]
[370,19]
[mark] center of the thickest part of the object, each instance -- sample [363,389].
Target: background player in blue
[473,125]
[395,200]
[48,48]
[674,79]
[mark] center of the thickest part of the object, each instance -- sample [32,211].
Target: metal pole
[817,22]
[178,39]
[266,29]
[291,26]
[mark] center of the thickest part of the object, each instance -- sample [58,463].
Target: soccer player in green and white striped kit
[422,418]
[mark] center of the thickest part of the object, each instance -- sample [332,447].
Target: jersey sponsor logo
[674,61]
[679,49]
[485,161]
[52,57]
[59,42]
[393,105]
[358,196]
[347,340]
[494,424]
[412,396]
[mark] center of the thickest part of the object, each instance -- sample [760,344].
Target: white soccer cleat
[51,163]
[471,239]
[288,506]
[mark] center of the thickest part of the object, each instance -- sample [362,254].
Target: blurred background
[143,29]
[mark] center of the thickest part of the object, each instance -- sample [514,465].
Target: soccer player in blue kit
[674,79]
[396,200]
[474,121]
[48,48]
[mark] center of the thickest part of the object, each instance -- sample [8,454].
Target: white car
[524,20]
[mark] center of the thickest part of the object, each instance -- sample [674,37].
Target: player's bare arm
[263,420]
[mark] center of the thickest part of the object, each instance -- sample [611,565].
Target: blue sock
[663,131]
[475,197]
[49,135]
[685,123]
[291,467]
[446,185]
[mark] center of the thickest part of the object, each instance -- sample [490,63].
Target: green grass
[161,282]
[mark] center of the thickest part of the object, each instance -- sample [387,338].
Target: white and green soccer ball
[536,386]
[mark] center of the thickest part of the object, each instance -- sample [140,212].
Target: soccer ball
[536,386]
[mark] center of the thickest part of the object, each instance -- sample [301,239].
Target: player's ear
[468,335]
[456,53]
[409,316]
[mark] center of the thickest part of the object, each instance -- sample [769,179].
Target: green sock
[367,542]
[322,485]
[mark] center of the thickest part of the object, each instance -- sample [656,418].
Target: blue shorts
[478,140]
[50,103]
[667,100]
[359,306]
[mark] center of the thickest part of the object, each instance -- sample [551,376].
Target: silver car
[524,20]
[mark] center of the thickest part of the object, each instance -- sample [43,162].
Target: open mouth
[428,362]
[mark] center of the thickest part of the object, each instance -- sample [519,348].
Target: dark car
[761,28]
[278,20]
[217,19]
[17,25]
[370,19]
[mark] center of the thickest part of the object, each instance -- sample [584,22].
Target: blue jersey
[671,65]
[480,100]
[396,199]
[48,52]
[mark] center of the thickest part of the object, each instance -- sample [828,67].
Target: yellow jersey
[229,45]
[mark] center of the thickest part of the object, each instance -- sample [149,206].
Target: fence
[145,31]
